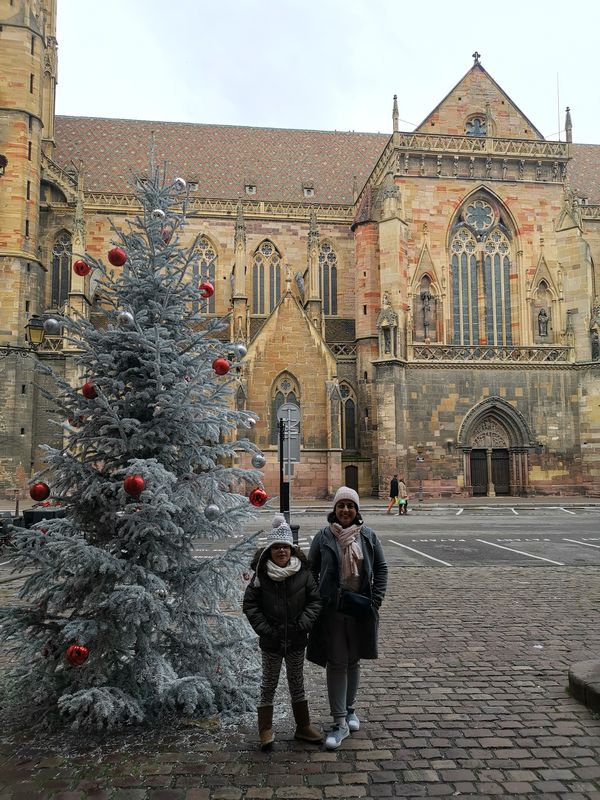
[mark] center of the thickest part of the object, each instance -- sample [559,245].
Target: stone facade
[429,300]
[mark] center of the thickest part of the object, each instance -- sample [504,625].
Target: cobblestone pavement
[468,699]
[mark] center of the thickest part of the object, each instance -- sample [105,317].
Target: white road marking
[459,512]
[515,512]
[520,552]
[585,544]
[566,510]
[412,549]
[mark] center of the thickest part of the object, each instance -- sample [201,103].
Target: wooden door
[479,472]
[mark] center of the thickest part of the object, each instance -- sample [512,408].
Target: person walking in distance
[393,493]
[282,603]
[349,567]
[402,497]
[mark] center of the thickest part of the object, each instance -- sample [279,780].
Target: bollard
[295,529]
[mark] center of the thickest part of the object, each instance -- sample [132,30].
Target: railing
[480,144]
[542,354]
[343,351]
[589,212]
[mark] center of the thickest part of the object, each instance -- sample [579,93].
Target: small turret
[395,115]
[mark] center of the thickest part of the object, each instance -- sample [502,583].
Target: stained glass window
[349,432]
[61,269]
[267,263]
[205,269]
[328,272]
[285,390]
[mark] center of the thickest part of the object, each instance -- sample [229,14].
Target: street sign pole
[284,486]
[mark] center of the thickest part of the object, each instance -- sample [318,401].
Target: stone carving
[489,433]
[595,346]
[543,322]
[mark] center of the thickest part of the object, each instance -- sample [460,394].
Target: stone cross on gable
[476,56]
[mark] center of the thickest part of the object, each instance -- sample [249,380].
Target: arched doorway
[495,440]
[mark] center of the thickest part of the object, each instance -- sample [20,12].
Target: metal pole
[281,433]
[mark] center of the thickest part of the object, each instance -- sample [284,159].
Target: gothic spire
[240,226]
[395,115]
[568,125]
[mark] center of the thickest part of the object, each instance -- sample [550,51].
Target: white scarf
[281,573]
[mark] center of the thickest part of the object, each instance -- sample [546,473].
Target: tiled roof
[584,171]
[222,158]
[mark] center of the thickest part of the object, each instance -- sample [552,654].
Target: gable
[476,95]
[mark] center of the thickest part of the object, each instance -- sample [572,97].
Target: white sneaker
[352,721]
[336,736]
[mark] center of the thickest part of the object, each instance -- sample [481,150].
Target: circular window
[479,215]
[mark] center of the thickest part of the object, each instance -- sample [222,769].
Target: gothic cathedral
[426,303]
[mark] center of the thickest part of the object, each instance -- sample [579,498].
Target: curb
[584,683]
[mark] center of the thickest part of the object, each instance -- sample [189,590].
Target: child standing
[282,603]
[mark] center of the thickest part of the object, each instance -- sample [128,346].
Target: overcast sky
[324,64]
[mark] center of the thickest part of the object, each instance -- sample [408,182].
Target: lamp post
[35,334]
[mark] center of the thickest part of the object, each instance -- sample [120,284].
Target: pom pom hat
[280,532]
[346,493]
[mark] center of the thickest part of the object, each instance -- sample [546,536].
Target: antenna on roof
[558,106]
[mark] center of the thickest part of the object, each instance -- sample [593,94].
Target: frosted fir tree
[119,622]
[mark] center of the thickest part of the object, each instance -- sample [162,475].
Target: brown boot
[265,727]
[304,730]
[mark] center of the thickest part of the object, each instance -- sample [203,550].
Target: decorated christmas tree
[119,623]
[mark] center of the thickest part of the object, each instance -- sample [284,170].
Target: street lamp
[35,334]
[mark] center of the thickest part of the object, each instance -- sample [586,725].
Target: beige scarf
[348,539]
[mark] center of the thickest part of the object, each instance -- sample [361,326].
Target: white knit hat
[346,493]
[280,532]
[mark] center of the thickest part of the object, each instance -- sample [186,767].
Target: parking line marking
[585,544]
[512,550]
[459,512]
[566,510]
[515,512]
[412,549]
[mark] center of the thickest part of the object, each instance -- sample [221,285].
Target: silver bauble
[125,319]
[158,213]
[212,511]
[179,184]
[258,460]
[250,422]
[240,350]
[52,326]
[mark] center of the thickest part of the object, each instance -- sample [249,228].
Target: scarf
[351,549]
[281,573]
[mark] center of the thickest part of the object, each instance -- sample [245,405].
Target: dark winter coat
[281,612]
[394,488]
[325,566]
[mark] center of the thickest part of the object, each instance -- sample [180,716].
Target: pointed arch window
[285,390]
[266,278]
[480,263]
[205,269]
[328,276]
[62,251]
[349,418]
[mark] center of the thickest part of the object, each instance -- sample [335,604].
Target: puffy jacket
[281,612]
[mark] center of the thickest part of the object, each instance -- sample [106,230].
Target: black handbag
[353,604]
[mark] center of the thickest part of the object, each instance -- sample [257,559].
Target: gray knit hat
[280,532]
[346,493]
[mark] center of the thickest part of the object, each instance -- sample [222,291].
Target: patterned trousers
[271,668]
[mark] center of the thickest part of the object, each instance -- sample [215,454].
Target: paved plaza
[469,698]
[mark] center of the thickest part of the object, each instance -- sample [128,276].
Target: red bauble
[77,654]
[81,268]
[134,485]
[88,390]
[206,289]
[258,497]
[39,491]
[117,256]
[221,366]
[167,235]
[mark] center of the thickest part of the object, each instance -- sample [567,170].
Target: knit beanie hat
[280,532]
[346,493]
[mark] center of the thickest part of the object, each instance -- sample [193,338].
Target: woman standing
[282,603]
[349,566]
